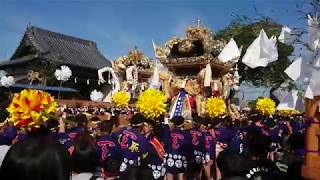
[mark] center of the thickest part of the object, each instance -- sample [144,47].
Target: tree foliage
[244,31]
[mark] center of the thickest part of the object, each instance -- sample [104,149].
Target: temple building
[41,52]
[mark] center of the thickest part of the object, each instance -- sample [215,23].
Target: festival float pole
[59,90]
[311,165]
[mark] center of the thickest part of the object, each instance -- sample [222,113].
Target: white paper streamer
[230,52]
[287,36]
[261,52]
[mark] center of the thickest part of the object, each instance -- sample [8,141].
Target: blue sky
[118,26]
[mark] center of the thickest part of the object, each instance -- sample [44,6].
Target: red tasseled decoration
[216,94]
[192,103]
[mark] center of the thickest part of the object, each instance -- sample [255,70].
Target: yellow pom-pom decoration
[30,108]
[121,99]
[265,106]
[152,103]
[215,107]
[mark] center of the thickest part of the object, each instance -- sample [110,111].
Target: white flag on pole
[230,52]
[300,69]
[287,36]
[289,101]
[313,30]
[261,52]
[313,88]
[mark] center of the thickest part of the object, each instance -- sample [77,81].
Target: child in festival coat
[209,149]
[177,146]
[133,146]
[197,150]
[107,147]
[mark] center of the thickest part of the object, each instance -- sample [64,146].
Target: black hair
[51,123]
[214,122]
[244,123]
[177,120]
[160,118]
[197,119]
[116,112]
[68,111]
[129,174]
[158,130]
[3,112]
[123,112]
[256,117]
[106,126]
[36,159]
[108,111]
[90,111]
[231,164]
[296,141]
[227,121]
[144,173]
[84,157]
[111,165]
[258,145]
[115,120]
[94,119]
[270,123]
[137,119]
[81,120]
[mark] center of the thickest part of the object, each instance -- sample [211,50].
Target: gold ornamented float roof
[193,52]
[135,57]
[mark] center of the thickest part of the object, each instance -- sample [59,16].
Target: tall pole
[311,165]
[59,90]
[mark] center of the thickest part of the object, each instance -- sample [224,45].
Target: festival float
[199,67]
[129,73]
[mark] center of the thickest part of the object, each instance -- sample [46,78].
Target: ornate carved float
[134,71]
[187,57]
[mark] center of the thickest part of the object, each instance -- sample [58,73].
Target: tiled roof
[70,50]
[23,59]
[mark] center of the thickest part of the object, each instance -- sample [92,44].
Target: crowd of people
[87,144]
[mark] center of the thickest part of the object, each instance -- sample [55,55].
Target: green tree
[244,31]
